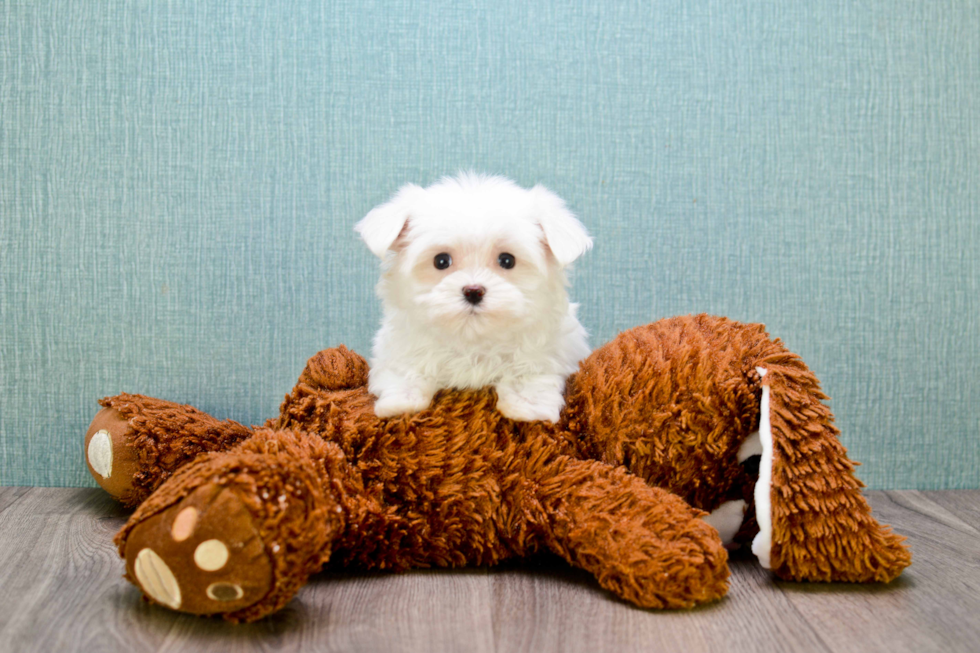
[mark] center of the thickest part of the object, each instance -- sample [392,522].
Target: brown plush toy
[667,422]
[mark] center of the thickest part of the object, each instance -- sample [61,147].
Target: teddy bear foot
[135,443]
[237,533]
[202,555]
[110,456]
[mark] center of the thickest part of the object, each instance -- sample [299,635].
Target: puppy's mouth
[474,309]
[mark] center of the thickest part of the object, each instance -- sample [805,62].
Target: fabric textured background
[179,181]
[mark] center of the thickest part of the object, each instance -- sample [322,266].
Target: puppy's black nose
[474,294]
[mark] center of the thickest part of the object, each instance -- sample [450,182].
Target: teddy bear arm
[136,442]
[642,543]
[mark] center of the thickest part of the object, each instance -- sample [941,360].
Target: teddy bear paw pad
[202,555]
[156,579]
[100,453]
[109,453]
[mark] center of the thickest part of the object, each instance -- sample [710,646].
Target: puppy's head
[474,255]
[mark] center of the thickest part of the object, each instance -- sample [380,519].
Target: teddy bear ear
[380,228]
[565,236]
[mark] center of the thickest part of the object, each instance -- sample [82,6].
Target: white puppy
[473,288]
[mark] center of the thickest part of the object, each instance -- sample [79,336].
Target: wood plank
[554,608]
[9,495]
[964,504]
[56,563]
[63,591]
[424,610]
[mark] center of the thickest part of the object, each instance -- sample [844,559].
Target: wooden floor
[61,590]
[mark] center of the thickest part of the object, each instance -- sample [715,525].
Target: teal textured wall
[179,181]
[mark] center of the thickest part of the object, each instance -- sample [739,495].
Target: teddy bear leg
[814,523]
[135,443]
[237,533]
[642,543]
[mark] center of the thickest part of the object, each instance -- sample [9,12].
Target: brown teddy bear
[666,423]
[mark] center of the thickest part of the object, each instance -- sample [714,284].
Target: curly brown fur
[161,437]
[650,436]
[455,485]
[822,525]
[289,483]
[673,401]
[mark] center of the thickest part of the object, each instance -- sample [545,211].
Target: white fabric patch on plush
[224,592]
[100,453]
[751,447]
[727,519]
[762,544]
[156,579]
[211,555]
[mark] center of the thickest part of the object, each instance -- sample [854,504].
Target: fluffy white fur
[522,338]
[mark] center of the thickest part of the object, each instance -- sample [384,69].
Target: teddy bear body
[232,520]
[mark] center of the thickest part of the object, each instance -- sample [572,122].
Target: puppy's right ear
[380,228]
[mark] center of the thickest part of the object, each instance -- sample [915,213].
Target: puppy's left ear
[380,228]
[565,236]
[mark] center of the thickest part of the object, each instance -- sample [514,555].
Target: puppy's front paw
[530,402]
[401,401]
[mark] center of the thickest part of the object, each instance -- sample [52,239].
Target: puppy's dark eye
[442,261]
[506,261]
